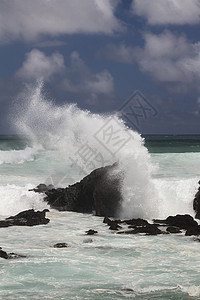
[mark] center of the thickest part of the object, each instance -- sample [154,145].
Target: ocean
[59,146]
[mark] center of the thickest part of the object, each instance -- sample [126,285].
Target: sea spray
[91,141]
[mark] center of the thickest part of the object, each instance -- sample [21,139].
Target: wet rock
[11,255]
[61,245]
[114,224]
[196,203]
[173,229]
[193,231]
[150,229]
[42,188]
[181,221]
[136,222]
[100,191]
[3,254]
[91,232]
[26,218]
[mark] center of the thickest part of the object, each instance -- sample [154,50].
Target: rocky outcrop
[171,225]
[180,221]
[98,193]
[26,218]
[196,203]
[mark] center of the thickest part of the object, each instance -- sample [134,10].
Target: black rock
[114,224]
[196,203]
[149,229]
[91,232]
[181,221]
[173,229]
[26,218]
[136,222]
[3,254]
[193,231]
[61,245]
[100,191]
[42,188]
[6,255]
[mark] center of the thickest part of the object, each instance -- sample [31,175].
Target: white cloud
[170,58]
[80,78]
[38,65]
[168,11]
[29,20]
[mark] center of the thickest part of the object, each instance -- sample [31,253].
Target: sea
[59,145]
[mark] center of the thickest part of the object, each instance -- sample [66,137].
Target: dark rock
[193,231]
[91,232]
[173,229]
[127,232]
[136,222]
[26,218]
[149,229]
[61,245]
[6,255]
[3,254]
[196,203]
[99,192]
[42,188]
[181,221]
[15,255]
[114,226]
[112,223]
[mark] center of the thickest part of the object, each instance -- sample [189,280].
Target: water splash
[67,130]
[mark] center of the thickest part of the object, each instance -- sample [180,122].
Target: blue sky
[96,53]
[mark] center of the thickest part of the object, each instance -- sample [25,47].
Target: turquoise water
[105,266]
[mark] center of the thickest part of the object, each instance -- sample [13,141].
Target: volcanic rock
[99,192]
[180,221]
[61,245]
[6,255]
[91,232]
[26,218]
[196,203]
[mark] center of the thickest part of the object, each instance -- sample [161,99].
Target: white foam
[14,199]
[18,156]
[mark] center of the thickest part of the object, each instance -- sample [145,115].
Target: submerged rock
[26,218]
[100,191]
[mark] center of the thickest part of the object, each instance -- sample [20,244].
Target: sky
[140,58]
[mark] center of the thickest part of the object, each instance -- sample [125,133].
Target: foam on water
[15,199]
[18,156]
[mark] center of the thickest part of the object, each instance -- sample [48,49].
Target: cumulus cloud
[77,78]
[166,57]
[168,11]
[29,20]
[38,65]
[170,58]
[80,79]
